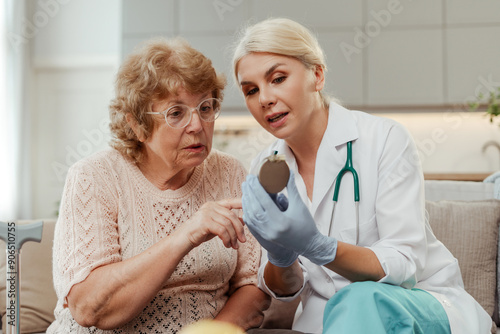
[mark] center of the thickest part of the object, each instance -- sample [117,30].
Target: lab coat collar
[342,126]
[341,129]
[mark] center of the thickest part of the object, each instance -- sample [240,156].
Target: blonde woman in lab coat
[397,278]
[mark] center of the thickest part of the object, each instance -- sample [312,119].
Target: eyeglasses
[180,115]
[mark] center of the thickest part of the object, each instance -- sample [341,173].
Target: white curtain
[14,175]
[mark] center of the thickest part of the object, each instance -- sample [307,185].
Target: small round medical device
[274,173]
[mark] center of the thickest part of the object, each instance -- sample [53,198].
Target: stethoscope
[347,168]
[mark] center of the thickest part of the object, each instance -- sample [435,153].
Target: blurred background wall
[418,62]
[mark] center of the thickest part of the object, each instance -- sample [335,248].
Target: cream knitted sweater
[110,211]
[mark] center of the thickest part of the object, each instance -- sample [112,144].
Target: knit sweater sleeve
[248,263]
[86,233]
[249,252]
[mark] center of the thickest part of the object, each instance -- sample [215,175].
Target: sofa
[464,216]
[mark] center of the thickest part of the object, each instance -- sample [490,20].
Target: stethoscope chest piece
[274,173]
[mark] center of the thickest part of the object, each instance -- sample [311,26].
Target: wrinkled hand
[215,219]
[293,229]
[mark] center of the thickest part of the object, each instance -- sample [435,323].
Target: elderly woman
[149,238]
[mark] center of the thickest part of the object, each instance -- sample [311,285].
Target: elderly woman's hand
[215,219]
[101,300]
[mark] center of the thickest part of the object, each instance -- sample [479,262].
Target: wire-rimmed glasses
[180,115]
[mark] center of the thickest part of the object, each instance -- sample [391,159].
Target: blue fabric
[376,308]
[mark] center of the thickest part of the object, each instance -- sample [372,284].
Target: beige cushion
[38,298]
[470,231]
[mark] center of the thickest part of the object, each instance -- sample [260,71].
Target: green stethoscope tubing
[348,167]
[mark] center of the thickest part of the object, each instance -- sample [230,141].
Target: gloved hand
[294,228]
[280,200]
[276,254]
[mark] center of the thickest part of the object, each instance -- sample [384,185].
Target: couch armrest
[458,190]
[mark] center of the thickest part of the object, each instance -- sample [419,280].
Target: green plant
[490,101]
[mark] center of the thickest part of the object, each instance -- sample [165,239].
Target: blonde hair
[153,73]
[283,37]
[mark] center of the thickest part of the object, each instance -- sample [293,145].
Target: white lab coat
[391,217]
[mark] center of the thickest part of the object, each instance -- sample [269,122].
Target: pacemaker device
[274,173]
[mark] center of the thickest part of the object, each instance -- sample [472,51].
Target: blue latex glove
[293,228]
[276,254]
[280,200]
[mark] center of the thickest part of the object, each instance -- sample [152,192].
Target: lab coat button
[446,303]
